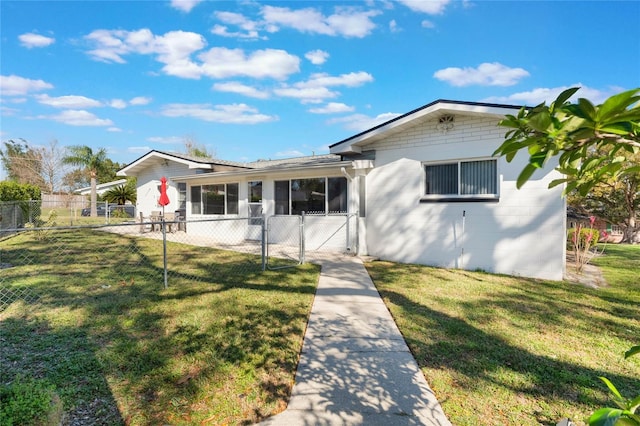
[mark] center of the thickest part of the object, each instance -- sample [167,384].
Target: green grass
[69,217]
[219,346]
[501,350]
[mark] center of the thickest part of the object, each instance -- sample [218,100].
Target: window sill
[459,199]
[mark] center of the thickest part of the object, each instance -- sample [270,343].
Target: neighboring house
[608,232]
[101,188]
[424,187]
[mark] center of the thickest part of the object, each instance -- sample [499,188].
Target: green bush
[119,213]
[584,237]
[14,191]
[27,402]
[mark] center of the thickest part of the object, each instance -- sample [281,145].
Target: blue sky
[253,80]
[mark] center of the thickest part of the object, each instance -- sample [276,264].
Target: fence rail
[167,253]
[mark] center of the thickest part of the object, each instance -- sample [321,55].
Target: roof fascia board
[353,143]
[151,154]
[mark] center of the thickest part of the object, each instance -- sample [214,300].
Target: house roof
[155,157]
[294,162]
[355,143]
[273,166]
[351,145]
[101,188]
[160,157]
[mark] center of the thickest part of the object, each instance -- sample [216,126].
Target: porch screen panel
[337,191]
[282,196]
[213,199]
[441,179]
[232,198]
[255,191]
[182,196]
[196,200]
[478,177]
[308,195]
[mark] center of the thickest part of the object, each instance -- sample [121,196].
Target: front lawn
[91,319]
[501,350]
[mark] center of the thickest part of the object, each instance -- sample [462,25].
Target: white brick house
[424,186]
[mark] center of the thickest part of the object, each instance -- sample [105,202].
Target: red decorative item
[164,198]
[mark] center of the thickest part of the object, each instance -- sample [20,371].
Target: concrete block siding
[521,234]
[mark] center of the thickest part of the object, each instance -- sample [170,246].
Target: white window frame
[226,200]
[326,195]
[458,197]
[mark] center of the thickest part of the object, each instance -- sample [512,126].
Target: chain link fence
[175,253]
[60,211]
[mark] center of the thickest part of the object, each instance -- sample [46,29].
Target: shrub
[27,402]
[582,240]
[625,413]
[584,237]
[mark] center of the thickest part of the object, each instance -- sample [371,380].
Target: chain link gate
[284,241]
[289,238]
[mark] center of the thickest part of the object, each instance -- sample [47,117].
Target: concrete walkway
[355,368]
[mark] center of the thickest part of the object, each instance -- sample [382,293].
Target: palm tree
[121,194]
[83,156]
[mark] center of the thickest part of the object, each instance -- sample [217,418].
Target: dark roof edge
[400,117]
[205,161]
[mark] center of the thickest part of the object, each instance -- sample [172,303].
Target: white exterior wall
[522,234]
[323,232]
[148,182]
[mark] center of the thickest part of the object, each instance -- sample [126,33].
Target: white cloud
[220,62]
[432,7]
[9,112]
[427,24]
[233,114]
[332,108]
[241,89]
[292,153]
[168,140]
[13,85]
[316,89]
[13,100]
[306,94]
[393,26]
[139,149]
[68,102]
[353,79]
[548,95]
[223,31]
[346,21]
[173,49]
[361,122]
[140,100]
[349,22]
[249,27]
[117,103]
[487,74]
[74,117]
[317,57]
[31,40]
[185,5]
[114,129]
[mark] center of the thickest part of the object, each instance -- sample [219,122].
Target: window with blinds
[463,179]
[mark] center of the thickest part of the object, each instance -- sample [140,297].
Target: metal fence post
[302,238]
[264,242]
[348,233]
[164,250]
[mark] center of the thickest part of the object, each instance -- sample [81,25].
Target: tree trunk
[631,232]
